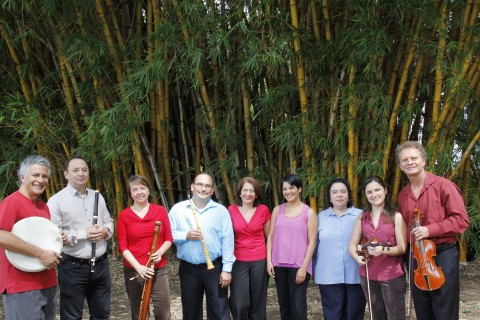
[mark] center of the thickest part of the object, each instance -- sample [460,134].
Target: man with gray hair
[27,295]
[444,219]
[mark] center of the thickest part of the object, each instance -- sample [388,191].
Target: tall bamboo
[211,116]
[303,97]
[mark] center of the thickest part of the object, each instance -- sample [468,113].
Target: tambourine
[39,232]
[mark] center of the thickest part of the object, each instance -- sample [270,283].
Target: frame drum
[39,232]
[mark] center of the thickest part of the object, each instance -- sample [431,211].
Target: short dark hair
[349,190]
[74,158]
[205,174]
[256,187]
[293,180]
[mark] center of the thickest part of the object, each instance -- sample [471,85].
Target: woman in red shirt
[135,234]
[251,221]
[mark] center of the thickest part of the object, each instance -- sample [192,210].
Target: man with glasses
[215,229]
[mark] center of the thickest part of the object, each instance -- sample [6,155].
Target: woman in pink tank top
[381,275]
[290,244]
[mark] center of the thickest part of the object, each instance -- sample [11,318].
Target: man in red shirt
[444,218]
[27,295]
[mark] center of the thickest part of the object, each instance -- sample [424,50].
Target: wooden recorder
[204,246]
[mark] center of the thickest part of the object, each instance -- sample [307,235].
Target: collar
[210,204]
[332,213]
[73,192]
[430,179]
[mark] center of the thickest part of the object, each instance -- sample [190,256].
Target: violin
[428,276]
[362,248]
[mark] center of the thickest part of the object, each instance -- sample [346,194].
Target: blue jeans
[77,283]
[292,297]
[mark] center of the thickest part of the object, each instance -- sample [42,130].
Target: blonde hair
[407,145]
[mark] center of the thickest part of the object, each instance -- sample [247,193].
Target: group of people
[364,255]
[32,295]
[355,256]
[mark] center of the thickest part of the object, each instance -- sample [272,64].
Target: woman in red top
[250,220]
[384,280]
[135,234]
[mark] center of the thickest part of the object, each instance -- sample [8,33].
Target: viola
[427,276]
[362,248]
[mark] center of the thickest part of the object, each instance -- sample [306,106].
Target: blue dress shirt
[334,264]
[216,228]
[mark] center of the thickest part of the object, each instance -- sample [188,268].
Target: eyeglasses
[200,185]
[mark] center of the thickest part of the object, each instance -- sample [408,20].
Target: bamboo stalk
[398,98]
[248,126]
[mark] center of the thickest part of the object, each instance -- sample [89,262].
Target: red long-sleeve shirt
[136,234]
[442,205]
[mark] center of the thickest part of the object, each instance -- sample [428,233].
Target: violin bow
[368,289]
[410,279]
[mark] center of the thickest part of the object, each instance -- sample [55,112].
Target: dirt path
[469,295]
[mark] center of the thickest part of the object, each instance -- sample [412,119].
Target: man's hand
[225,279]
[194,234]
[96,233]
[420,233]
[49,258]
[64,236]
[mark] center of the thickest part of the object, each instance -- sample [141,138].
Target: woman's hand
[270,270]
[144,272]
[157,256]
[360,260]
[301,275]
[375,251]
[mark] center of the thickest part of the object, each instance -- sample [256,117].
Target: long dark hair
[349,190]
[388,208]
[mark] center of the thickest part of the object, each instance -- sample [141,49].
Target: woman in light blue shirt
[335,271]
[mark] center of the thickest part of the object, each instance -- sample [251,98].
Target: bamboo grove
[169,88]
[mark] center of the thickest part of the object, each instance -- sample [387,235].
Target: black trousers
[248,290]
[77,283]
[443,303]
[292,297]
[194,281]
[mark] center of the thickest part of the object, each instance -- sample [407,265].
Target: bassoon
[147,285]
[95,219]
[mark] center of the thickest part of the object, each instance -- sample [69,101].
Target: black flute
[95,218]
